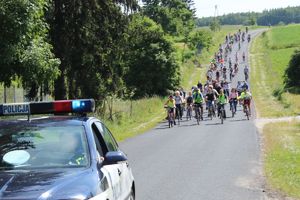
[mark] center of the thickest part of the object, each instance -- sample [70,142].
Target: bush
[292,74]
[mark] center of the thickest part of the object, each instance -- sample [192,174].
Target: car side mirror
[114,157]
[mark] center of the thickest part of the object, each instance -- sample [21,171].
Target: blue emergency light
[55,107]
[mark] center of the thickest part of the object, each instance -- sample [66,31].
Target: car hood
[45,184]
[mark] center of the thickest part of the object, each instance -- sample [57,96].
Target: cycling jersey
[210,96]
[189,100]
[198,97]
[170,103]
[245,96]
[222,99]
[178,100]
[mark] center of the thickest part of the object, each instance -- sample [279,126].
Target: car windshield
[32,147]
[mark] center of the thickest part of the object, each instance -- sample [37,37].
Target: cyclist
[189,102]
[233,99]
[178,102]
[224,73]
[236,68]
[218,75]
[210,98]
[246,98]
[226,88]
[170,105]
[231,73]
[249,37]
[244,56]
[198,100]
[246,72]
[222,100]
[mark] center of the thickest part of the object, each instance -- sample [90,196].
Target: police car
[61,157]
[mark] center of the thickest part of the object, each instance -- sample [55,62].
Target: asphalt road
[211,161]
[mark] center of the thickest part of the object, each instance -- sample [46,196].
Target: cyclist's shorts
[210,103]
[198,105]
[247,102]
[188,104]
[170,110]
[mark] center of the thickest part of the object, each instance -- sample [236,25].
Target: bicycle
[211,111]
[246,76]
[221,112]
[189,112]
[233,103]
[224,76]
[246,109]
[198,113]
[171,120]
[178,115]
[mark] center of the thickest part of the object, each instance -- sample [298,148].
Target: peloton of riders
[216,92]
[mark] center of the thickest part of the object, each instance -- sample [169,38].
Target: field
[270,55]
[282,161]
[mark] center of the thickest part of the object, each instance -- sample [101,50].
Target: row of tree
[268,17]
[95,48]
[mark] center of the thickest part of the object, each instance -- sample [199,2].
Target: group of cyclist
[215,93]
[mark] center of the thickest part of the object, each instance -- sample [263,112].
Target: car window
[43,147]
[108,138]
[99,142]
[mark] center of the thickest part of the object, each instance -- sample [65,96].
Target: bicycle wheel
[178,117]
[222,116]
[247,114]
[198,116]
[170,121]
[187,114]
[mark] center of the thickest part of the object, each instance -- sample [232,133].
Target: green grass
[282,161]
[132,118]
[285,37]
[270,55]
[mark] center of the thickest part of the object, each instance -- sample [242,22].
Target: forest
[271,17]
[95,48]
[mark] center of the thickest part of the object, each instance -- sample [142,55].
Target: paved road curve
[191,162]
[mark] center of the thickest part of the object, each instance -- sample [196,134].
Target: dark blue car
[61,157]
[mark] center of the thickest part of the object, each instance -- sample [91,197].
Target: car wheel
[131,196]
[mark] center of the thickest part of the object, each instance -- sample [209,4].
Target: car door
[110,180]
[126,177]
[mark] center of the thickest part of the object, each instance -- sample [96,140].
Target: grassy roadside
[270,54]
[282,161]
[146,113]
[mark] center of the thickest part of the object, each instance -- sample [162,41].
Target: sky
[206,8]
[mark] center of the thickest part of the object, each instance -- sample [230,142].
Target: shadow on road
[238,120]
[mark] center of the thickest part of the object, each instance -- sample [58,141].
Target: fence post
[15,98]
[4,95]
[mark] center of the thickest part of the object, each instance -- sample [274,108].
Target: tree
[25,53]
[152,68]
[292,73]
[200,39]
[175,16]
[88,37]
[215,25]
